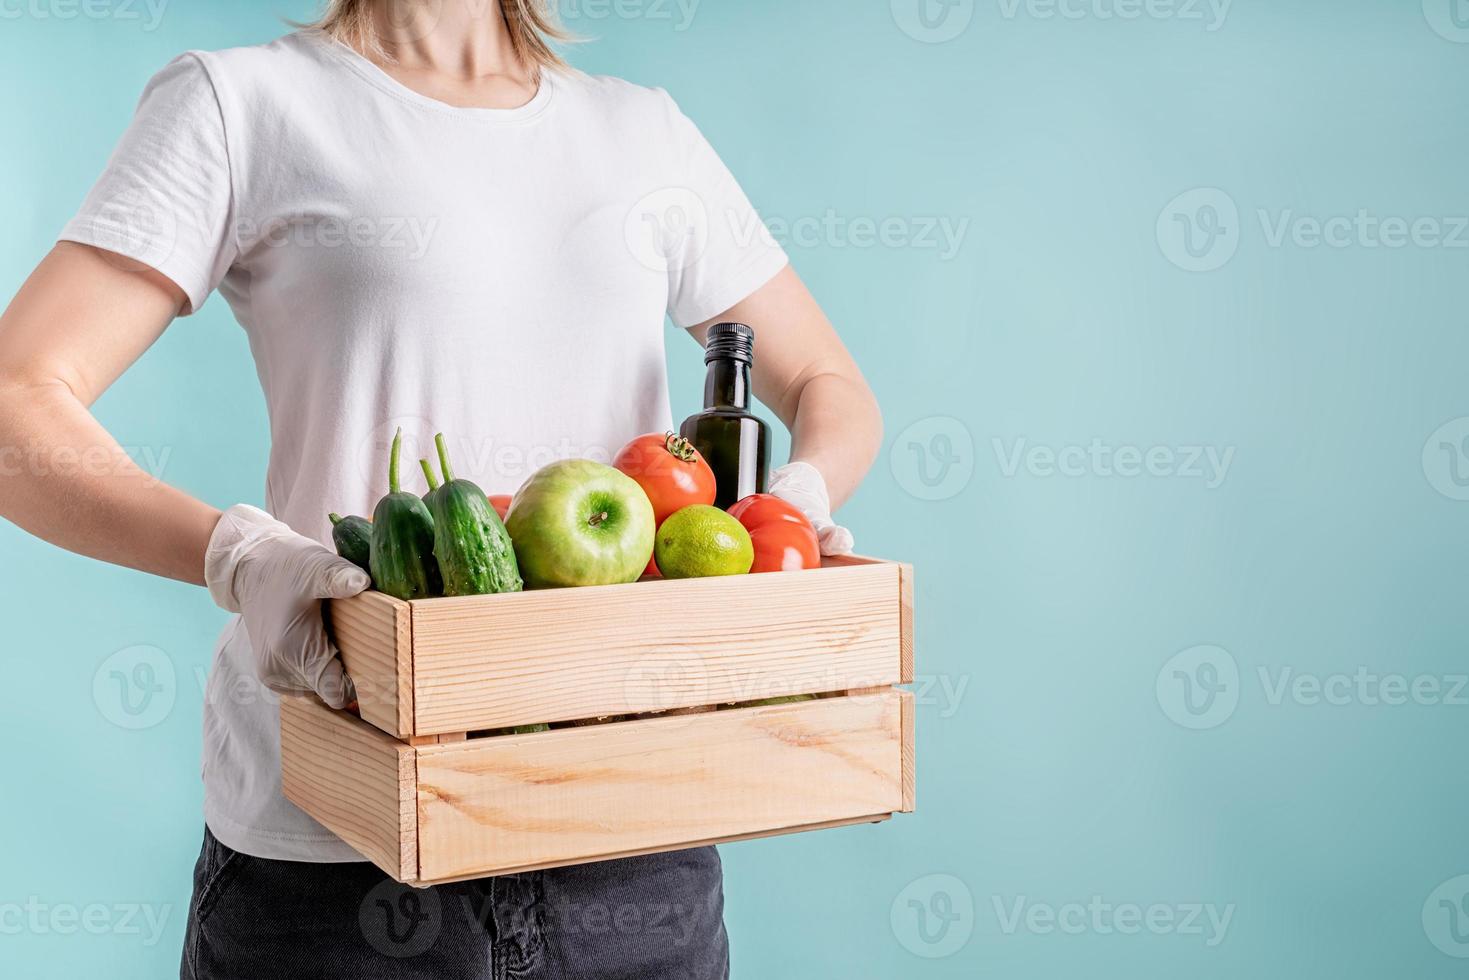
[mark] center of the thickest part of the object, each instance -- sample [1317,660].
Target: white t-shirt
[500,275]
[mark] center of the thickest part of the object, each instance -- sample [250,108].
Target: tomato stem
[679,447]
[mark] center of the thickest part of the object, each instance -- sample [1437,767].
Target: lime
[701,540]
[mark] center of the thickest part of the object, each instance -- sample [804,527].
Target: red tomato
[501,503]
[784,540]
[670,471]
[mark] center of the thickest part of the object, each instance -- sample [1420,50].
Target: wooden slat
[519,801]
[910,752]
[373,632]
[558,655]
[905,615]
[728,839]
[353,779]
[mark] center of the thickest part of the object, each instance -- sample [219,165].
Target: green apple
[577,522]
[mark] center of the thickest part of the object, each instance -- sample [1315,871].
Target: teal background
[1049,603]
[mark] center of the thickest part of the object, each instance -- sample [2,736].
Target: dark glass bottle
[734,443]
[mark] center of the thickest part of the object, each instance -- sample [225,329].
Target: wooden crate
[419,787]
[444,666]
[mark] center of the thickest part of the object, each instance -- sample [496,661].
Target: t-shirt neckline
[386,83]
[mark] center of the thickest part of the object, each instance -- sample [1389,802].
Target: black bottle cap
[730,340]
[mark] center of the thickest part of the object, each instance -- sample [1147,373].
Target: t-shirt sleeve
[718,248]
[165,197]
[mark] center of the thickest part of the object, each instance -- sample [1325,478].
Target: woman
[420,217]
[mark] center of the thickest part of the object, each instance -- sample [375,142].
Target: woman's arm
[807,377]
[80,320]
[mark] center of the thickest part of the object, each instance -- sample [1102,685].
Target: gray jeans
[659,917]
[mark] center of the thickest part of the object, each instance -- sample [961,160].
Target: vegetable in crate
[576,522]
[701,540]
[670,471]
[403,564]
[470,542]
[353,538]
[784,539]
[433,481]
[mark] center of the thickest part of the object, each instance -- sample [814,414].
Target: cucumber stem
[428,472]
[443,446]
[335,519]
[393,485]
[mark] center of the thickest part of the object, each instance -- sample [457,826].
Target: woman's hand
[800,485]
[276,579]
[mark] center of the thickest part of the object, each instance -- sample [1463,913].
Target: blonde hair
[531,24]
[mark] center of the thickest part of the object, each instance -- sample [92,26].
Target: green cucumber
[470,541]
[403,563]
[353,538]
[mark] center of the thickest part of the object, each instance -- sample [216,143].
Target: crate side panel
[496,661]
[353,779]
[373,632]
[557,797]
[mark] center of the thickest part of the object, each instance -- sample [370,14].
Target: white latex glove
[276,579]
[801,485]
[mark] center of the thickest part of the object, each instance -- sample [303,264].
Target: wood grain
[373,631]
[727,839]
[910,752]
[353,779]
[557,655]
[495,804]
[905,620]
